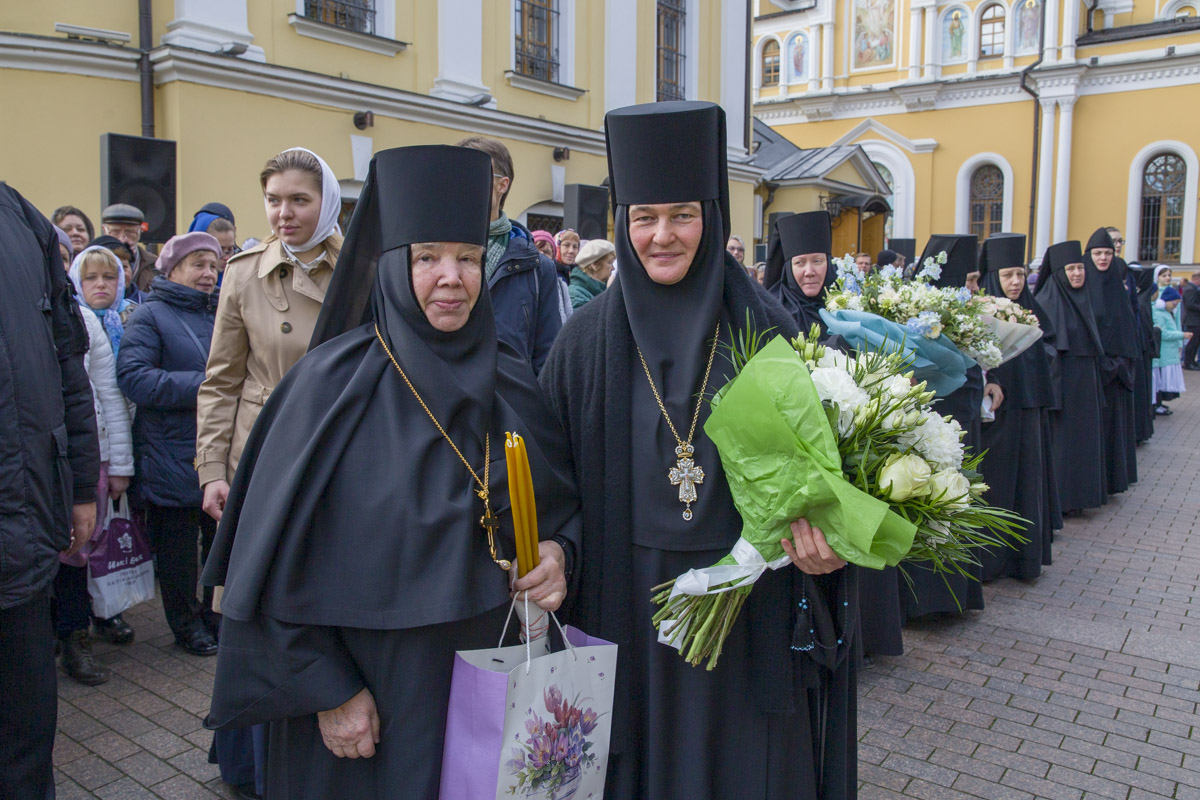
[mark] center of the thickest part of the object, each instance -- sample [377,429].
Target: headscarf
[311,460]
[63,238]
[1110,300]
[331,207]
[208,214]
[796,235]
[1158,268]
[113,326]
[1069,309]
[546,236]
[961,257]
[1026,379]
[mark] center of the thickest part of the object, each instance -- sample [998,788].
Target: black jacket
[1191,305]
[49,454]
[160,367]
[524,291]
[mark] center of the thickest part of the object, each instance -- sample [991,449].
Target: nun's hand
[547,582]
[994,391]
[352,729]
[809,551]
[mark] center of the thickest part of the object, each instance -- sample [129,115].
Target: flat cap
[122,212]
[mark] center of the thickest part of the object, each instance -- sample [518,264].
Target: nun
[1145,283]
[629,379]
[359,546]
[1075,418]
[1018,464]
[800,266]
[927,592]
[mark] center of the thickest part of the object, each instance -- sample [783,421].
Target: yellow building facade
[236,81]
[1050,118]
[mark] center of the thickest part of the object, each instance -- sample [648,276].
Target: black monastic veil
[797,235]
[350,548]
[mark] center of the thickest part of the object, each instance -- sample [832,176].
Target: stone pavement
[1081,684]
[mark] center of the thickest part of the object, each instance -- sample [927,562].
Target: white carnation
[938,440]
[838,388]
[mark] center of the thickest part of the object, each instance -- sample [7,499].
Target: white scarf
[327,222]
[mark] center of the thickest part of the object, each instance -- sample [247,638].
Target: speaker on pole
[585,210]
[141,172]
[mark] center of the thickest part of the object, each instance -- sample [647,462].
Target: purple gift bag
[120,566]
[526,722]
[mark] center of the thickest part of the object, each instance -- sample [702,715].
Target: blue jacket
[160,368]
[524,290]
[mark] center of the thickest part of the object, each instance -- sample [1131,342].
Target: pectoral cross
[491,524]
[686,474]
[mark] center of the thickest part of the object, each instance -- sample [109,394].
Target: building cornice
[52,54]
[1116,74]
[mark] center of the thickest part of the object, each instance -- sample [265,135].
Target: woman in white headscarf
[271,296]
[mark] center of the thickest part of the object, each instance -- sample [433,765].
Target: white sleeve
[103,373]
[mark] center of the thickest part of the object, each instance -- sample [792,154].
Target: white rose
[898,386]
[903,477]
[950,488]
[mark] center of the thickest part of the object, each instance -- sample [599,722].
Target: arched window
[1163,199]
[770,63]
[987,201]
[991,32]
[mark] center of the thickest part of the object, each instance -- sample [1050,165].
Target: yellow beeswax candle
[529,506]
[515,501]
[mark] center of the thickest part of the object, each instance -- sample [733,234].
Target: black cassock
[1120,353]
[1018,465]
[1075,420]
[350,548]
[1143,389]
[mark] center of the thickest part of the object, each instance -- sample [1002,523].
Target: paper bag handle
[528,643]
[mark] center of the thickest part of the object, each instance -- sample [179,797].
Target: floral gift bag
[527,722]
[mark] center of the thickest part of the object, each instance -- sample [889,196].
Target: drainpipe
[145,71]
[1037,125]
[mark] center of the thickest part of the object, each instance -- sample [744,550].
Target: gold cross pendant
[491,524]
[686,474]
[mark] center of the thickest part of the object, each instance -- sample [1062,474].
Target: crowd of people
[305,429]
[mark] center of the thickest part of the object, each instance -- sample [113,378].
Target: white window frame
[904,188]
[566,42]
[385,28]
[758,53]
[1191,185]
[962,196]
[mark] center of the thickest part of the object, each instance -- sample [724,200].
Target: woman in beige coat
[271,295]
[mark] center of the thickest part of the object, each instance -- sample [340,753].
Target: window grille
[1162,209]
[672,16]
[536,46]
[353,15]
[987,201]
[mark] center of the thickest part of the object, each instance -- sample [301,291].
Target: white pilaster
[1070,30]
[1051,37]
[1045,176]
[914,44]
[621,54]
[1062,177]
[827,57]
[932,71]
[460,52]
[214,26]
[814,58]
[733,71]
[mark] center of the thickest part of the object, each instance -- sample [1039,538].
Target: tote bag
[530,723]
[120,566]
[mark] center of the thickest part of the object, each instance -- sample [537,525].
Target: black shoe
[1162,411]
[245,791]
[113,629]
[199,642]
[79,662]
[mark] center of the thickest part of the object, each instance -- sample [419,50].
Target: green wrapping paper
[781,460]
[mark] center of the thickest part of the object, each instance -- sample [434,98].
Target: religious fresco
[797,58]
[955,24]
[1028,26]
[873,40]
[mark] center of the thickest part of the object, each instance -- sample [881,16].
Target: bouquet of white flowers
[1006,310]
[921,308]
[849,443]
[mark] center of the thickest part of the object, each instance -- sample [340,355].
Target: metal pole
[145,72]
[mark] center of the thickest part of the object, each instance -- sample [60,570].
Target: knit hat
[1170,293]
[177,247]
[593,251]
[546,236]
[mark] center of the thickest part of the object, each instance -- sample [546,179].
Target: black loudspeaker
[585,210]
[141,172]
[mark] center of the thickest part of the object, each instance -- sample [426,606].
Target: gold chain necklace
[489,521]
[686,474]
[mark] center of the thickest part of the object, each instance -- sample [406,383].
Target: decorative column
[814,58]
[1045,176]
[733,71]
[1070,30]
[460,52]
[932,72]
[1062,177]
[914,43]
[1051,37]
[827,57]
[620,54]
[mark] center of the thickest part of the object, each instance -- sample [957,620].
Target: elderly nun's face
[809,271]
[446,277]
[1076,274]
[1012,281]
[666,237]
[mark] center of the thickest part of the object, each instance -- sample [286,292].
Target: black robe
[1143,388]
[1075,419]
[770,721]
[1018,462]
[1119,334]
